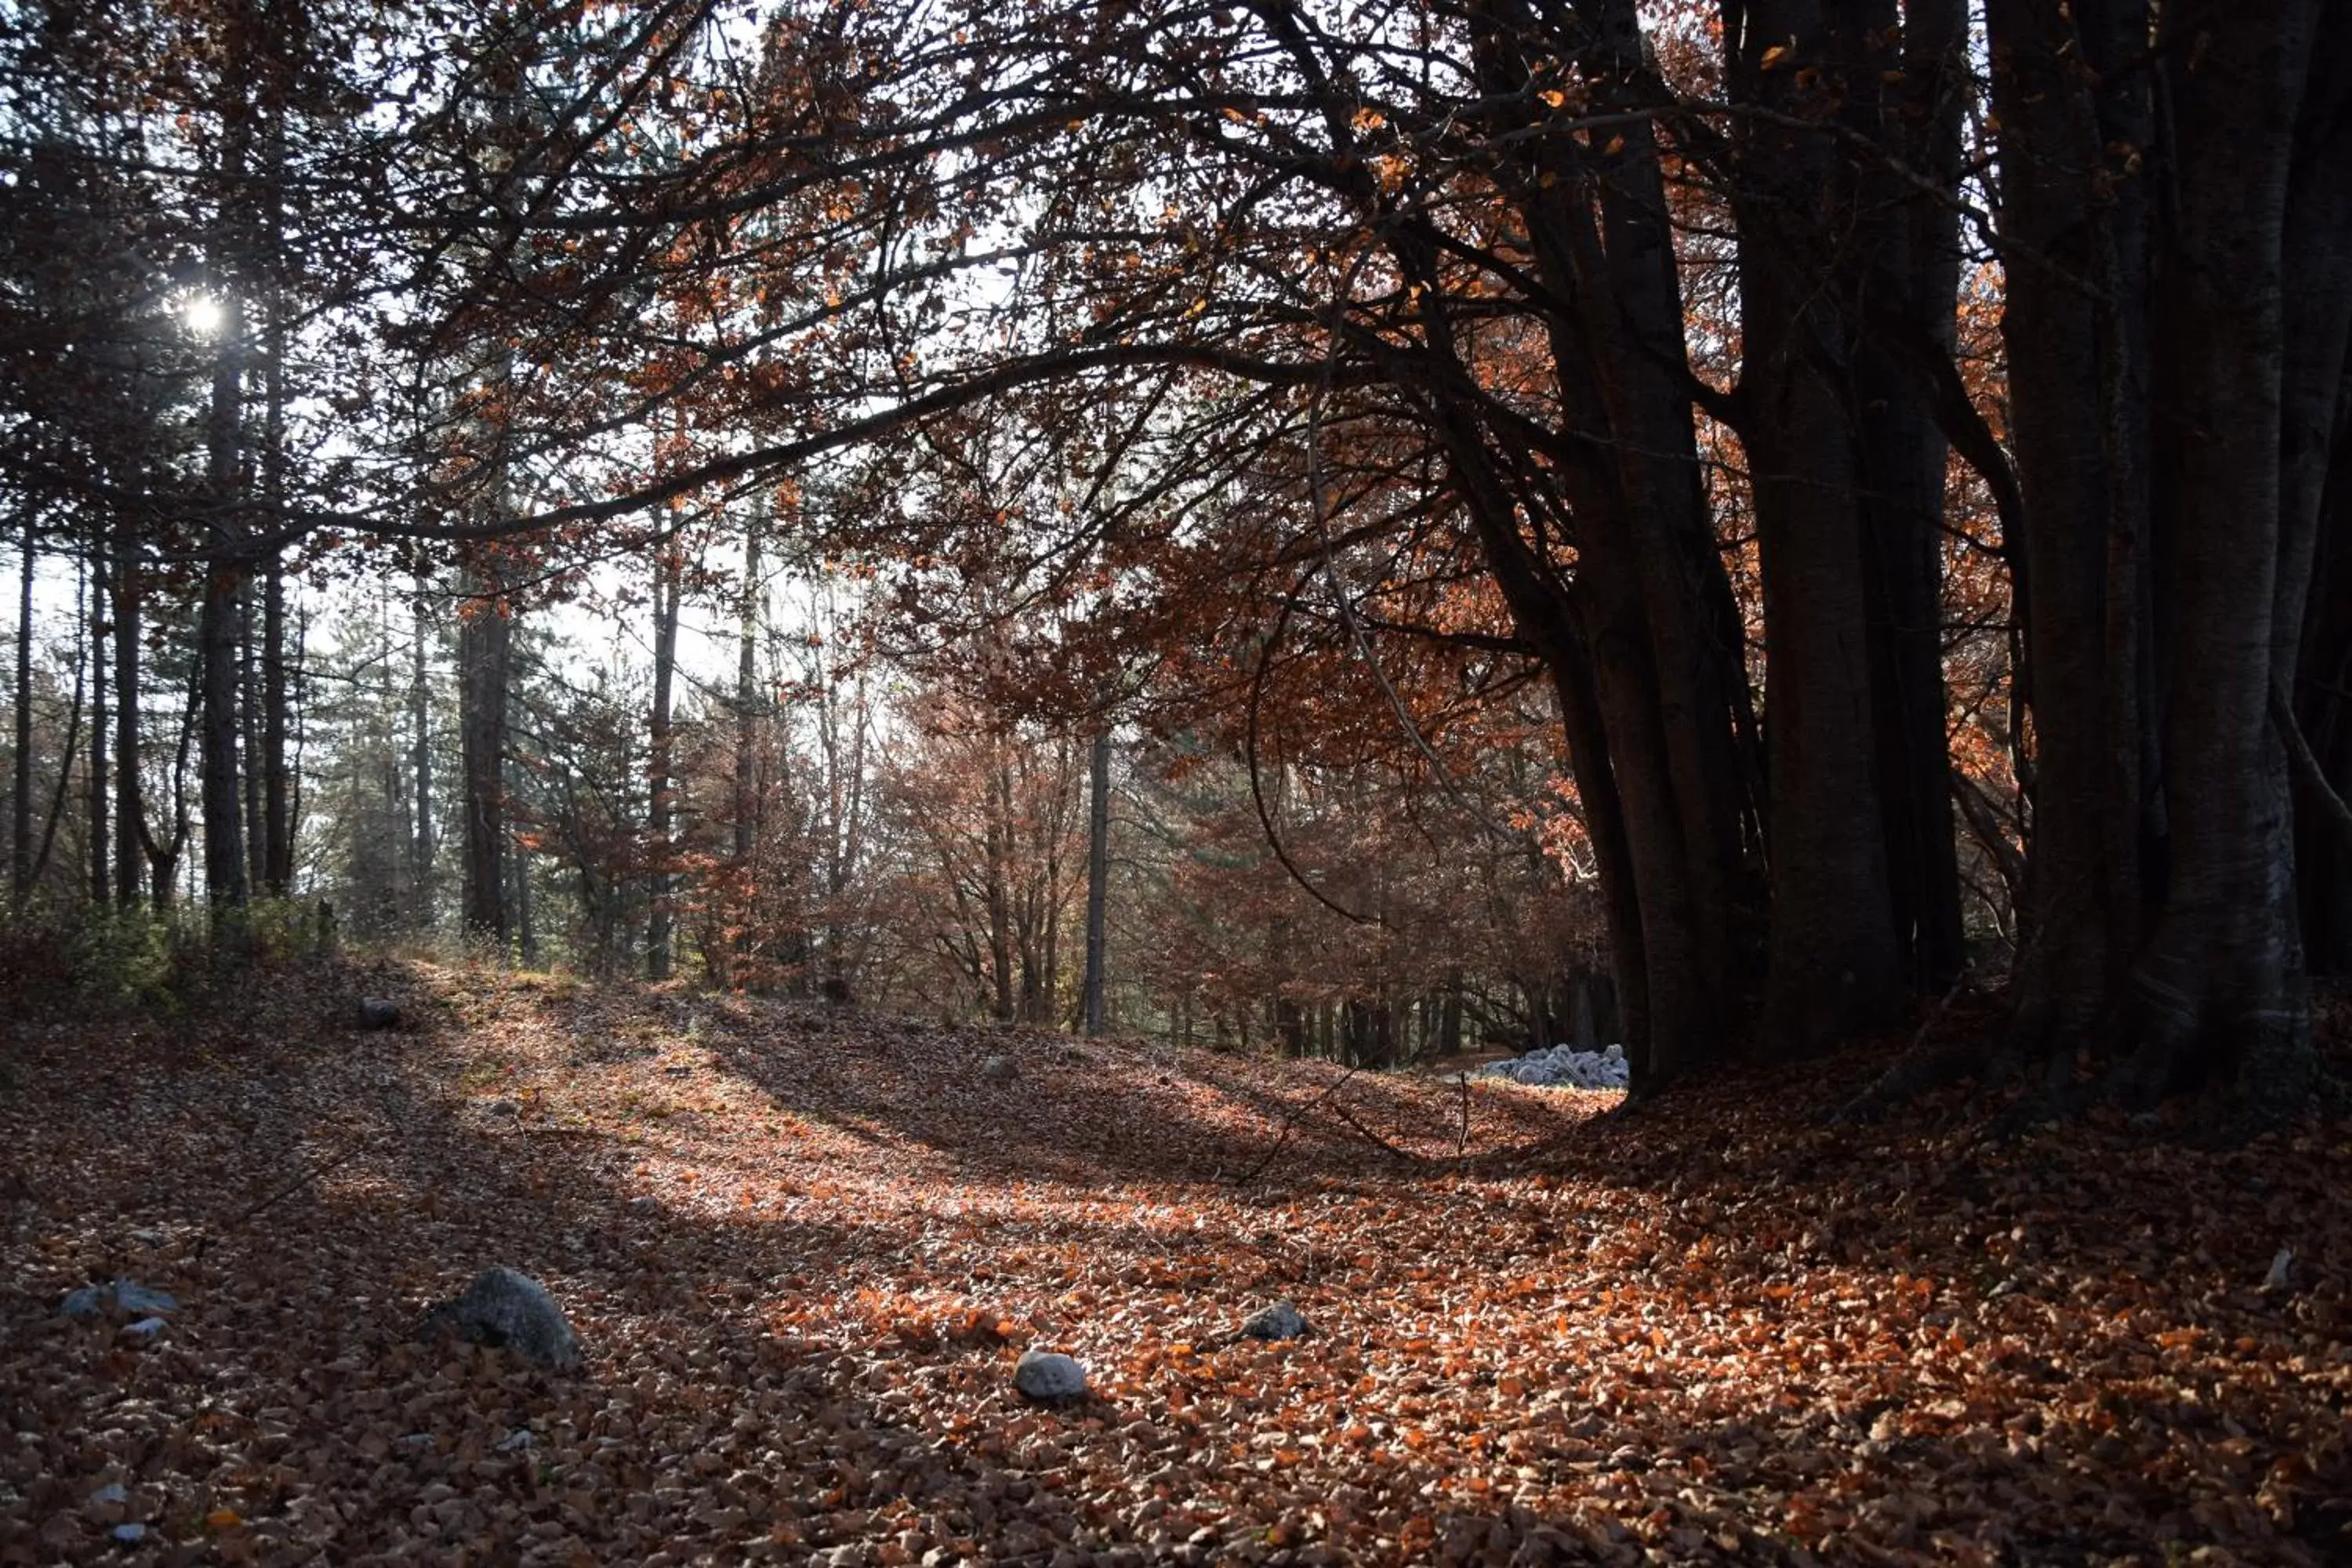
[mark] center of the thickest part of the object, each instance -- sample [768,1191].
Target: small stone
[133,1297]
[1279,1321]
[108,1503]
[646,1203]
[146,1328]
[519,1439]
[125,1296]
[1000,1069]
[132,1534]
[1049,1374]
[379,1012]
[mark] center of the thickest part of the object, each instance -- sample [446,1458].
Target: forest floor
[802,1249]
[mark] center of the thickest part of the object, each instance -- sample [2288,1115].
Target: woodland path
[803,1247]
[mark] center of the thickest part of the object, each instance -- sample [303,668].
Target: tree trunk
[1914,277]
[2323,706]
[670,578]
[2220,989]
[2072,212]
[485,641]
[131,850]
[1834,969]
[420,846]
[99,740]
[747,731]
[998,886]
[257,835]
[20,837]
[216,635]
[1097,878]
[277,819]
[2315,481]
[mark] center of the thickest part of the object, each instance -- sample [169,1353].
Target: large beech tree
[1619,344]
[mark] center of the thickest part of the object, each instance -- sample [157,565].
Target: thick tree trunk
[1658,644]
[2072,211]
[1835,966]
[1915,277]
[2315,481]
[2323,706]
[2220,988]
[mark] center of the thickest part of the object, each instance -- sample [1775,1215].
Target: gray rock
[1049,1374]
[1279,1321]
[1000,1069]
[379,1012]
[504,1308]
[131,1296]
[127,1296]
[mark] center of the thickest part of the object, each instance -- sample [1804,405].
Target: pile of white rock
[1565,1066]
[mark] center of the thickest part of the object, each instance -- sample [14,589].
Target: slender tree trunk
[998,886]
[20,838]
[669,577]
[257,835]
[128,597]
[219,621]
[485,641]
[420,846]
[96,782]
[747,735]
[525,909]
[277,815]
[277,806]
[1097,877]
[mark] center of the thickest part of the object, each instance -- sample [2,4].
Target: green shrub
[91,959]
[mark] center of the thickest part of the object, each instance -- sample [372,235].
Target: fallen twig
[1290,1123]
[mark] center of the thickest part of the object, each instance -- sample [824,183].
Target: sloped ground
[803,1249]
